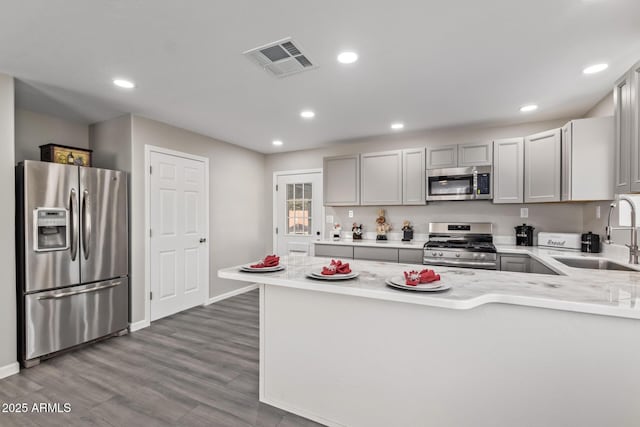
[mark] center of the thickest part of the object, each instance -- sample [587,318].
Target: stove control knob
[434,253]
[475,256]
[483,256]
[457,255]
[440,254]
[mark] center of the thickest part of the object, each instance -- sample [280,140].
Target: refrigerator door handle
[84,291]
[86,224]
[73,207]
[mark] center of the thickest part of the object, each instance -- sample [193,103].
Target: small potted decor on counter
[381,226]
[407,231]
[357,231]
[336,232]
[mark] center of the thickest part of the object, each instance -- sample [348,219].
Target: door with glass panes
[299,212]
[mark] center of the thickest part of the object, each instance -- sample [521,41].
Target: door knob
[203,240]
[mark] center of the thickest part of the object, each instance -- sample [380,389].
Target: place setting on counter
[425,280]
[335,271]
[270,264]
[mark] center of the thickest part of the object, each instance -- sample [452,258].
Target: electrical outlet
[597,212]
[329,219]
[524,212]
[350,213]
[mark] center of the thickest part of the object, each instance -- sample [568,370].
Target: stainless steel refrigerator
[72,255]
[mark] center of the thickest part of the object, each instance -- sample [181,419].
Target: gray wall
[8,351]
[111,142]
[603,108]
[548,217]
[237,203]
[35,129]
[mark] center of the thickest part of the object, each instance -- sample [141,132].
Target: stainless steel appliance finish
[47,185]
[78,291]
[461,245]
[470,183]
[59,319]
[103,219]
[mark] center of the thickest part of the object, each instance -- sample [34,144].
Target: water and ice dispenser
[51,229]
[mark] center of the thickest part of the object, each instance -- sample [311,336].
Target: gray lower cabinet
[517,263]
[410,256]
[376,254]
[402,255]
[334,251]
[542,156]
[523,264]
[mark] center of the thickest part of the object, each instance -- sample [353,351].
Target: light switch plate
[329,219]
[524,212]
[350,213]
[597,212]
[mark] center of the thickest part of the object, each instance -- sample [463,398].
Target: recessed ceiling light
[277,142]
[124,83]
[592,69]
[307,114]
[347,57]
[528,108]
[397,126]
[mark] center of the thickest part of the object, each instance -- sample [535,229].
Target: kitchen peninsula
[499,348]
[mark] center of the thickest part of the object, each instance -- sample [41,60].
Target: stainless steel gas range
[457,244]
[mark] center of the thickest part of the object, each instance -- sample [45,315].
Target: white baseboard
[232,293]
[10,369]
[136,326]
[301,412]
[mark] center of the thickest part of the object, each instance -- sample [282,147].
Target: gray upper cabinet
[622,136]
[508,170]
[443,156]
[341,179]
[542,155]
[413,177]
[478,154]
[635,127]
[588,159]
[381,178]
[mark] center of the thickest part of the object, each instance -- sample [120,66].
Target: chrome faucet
[633,247]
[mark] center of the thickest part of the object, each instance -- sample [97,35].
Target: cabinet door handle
[203,240]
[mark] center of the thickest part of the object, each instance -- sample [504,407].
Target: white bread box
[560,240]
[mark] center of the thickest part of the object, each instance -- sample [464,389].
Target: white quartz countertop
[609,293]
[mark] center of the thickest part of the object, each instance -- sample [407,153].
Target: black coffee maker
[524,235]
[591,243]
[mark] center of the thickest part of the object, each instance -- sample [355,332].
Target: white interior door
[179,254]
[298,212]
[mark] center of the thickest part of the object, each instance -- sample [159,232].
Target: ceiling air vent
[281,58]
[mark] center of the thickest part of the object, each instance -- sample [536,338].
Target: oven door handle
[454,263]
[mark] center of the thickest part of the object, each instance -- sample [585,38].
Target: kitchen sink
[594,264]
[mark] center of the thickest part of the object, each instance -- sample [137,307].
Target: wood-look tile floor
[195,368]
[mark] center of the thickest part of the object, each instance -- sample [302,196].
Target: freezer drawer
[56,320]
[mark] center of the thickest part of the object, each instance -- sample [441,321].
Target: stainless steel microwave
[472,183]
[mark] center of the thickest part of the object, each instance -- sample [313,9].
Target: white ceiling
[427,63]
